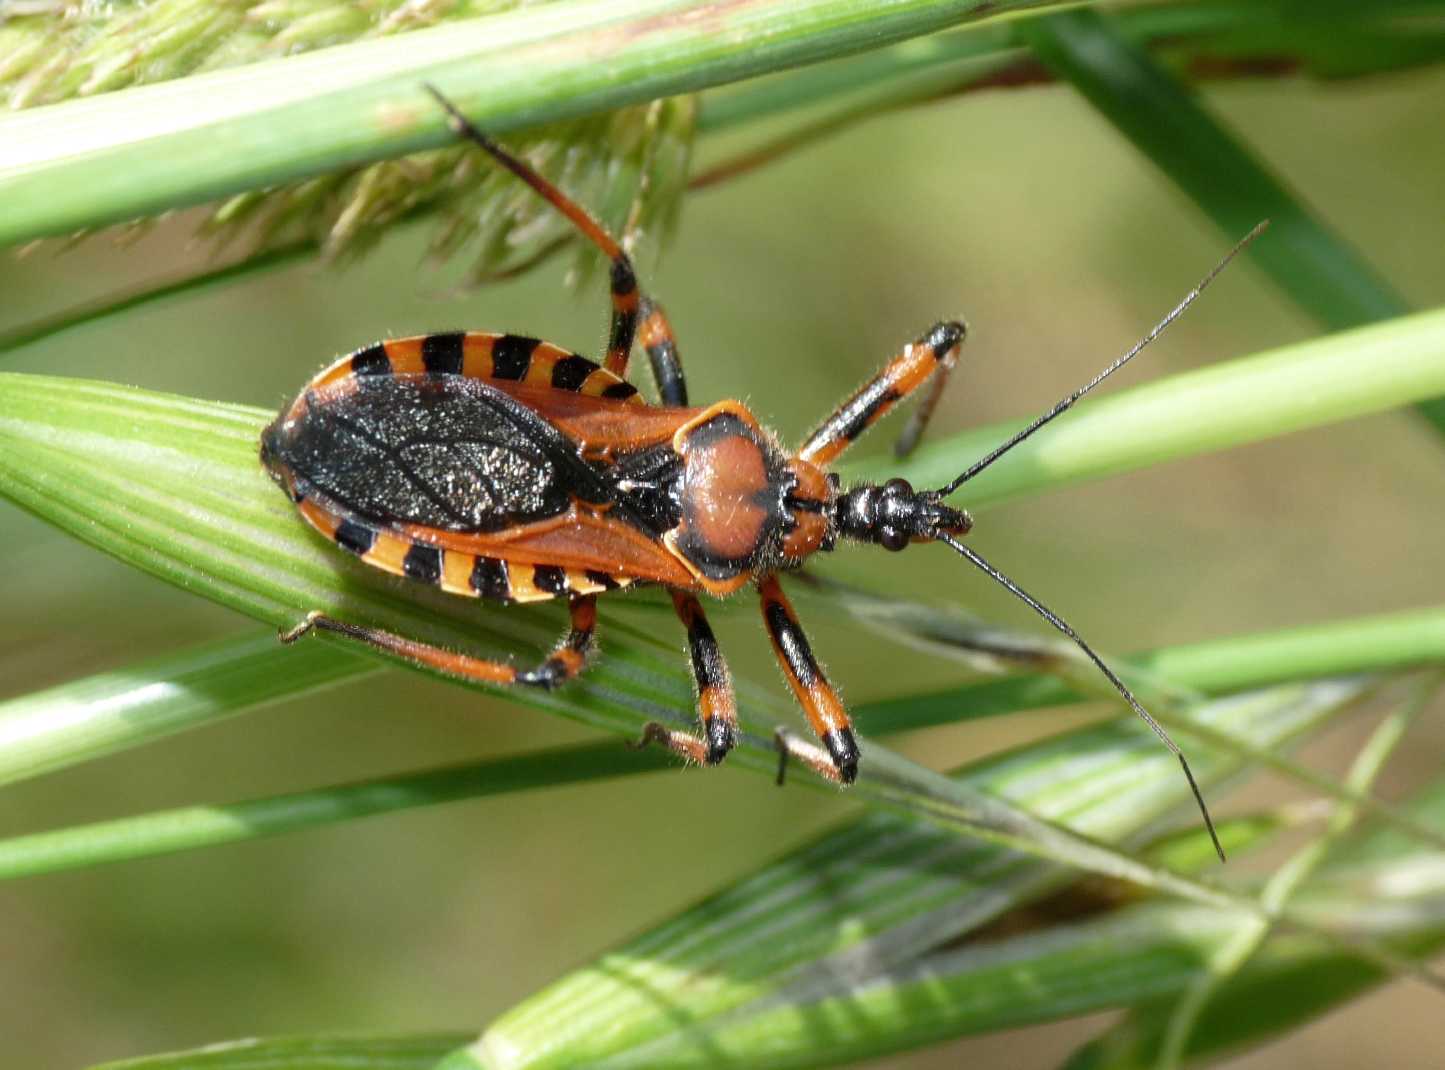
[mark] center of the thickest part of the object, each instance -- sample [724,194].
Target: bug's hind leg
[716,706]
[624,279]
[928,361]
[814,693]
[565,662]
[660,344]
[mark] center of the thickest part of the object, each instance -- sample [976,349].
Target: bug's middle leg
[815,694]
[566,661]
[931,357]
[716,705]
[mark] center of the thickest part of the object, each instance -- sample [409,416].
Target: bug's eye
[898,488]
[892,538]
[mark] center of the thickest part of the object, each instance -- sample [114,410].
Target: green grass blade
[1385,642]
[1309,384]
[190,827]
[153,148]
[417,1052]
[876,893]
[1210,39]
[87,718]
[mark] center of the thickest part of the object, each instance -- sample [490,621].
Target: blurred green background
[1023,212]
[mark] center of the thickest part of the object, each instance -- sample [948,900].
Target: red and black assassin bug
[503,467]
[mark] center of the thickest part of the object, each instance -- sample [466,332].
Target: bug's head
[893,515]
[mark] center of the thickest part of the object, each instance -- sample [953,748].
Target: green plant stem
[86,163]
[1386,642]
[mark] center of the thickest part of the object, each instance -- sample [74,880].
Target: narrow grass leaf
[1309,384]
[187,828]
[93,716]
[87,163]
[418,1052]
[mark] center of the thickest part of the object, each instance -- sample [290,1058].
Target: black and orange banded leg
[565,662]
[716,707]
[932,356]
[624,279]
[660,344]
[815,694]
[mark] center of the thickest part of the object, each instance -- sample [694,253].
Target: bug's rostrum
[893,514]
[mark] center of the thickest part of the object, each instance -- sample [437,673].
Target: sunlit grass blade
[154,148]
[1208,38]
[872,895]
[1212,40]
[1213,667]
[419,1052]
[1309,384]
[84,719]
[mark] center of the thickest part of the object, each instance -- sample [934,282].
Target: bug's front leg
[814,693]
[931,357]
[716,705]
[566,661]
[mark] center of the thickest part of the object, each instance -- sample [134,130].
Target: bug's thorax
[744,508]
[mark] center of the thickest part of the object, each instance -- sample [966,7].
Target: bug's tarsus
[1067,403]
[653,732]
[290,635]
[781,737]
[1061,625]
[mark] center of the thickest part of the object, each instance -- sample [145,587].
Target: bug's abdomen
[495,579]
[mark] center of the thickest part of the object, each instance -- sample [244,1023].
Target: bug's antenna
[1067,403]
[1059,623]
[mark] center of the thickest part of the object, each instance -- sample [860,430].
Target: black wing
[442,451]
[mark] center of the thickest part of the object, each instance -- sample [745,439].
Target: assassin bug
[503,467]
